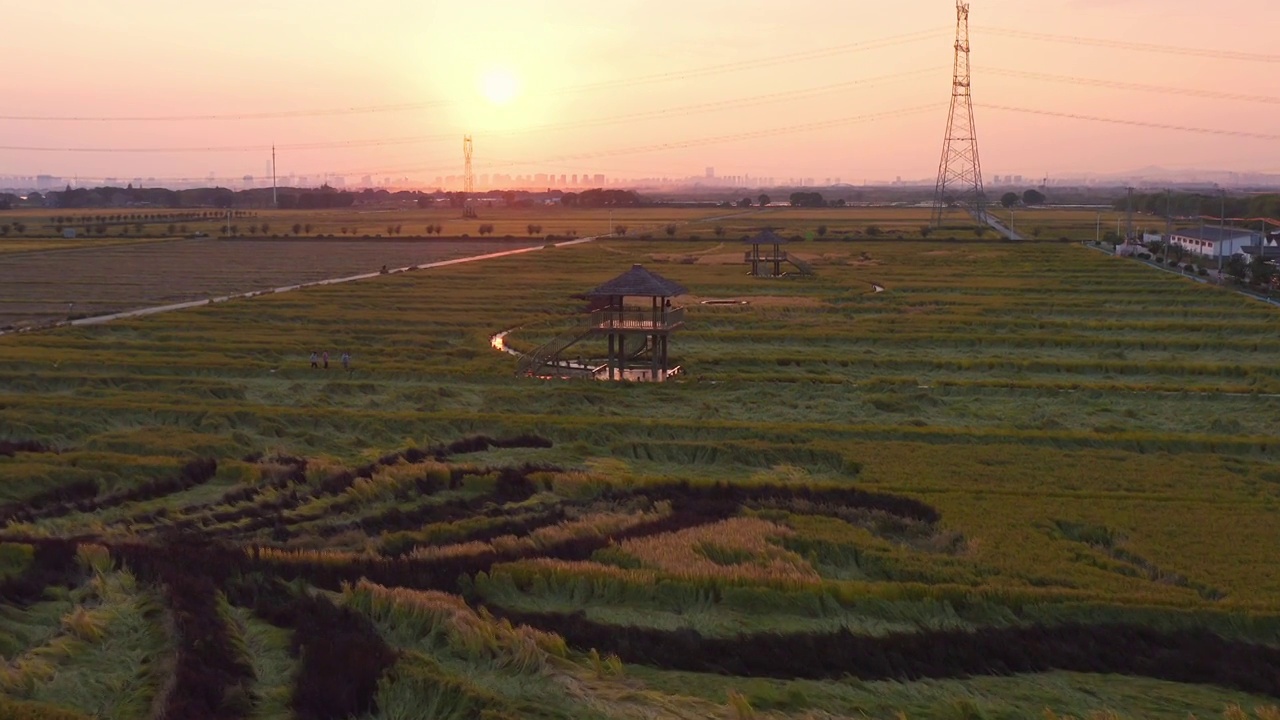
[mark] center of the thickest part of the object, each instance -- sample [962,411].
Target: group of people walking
[321,360]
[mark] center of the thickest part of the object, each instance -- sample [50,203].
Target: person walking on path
[314,363]
[346,361]
[325,358]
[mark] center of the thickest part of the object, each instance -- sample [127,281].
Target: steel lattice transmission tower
[468,177]
[960,172]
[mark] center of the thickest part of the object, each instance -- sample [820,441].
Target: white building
[1214,241]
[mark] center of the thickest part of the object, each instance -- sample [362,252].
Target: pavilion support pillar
[655,348]
[777,261]
[612,362]
[622,356]
[666,368]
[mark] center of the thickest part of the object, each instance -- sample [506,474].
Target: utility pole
[1168,223]
[1222,230]
[275,202]
[1097,238]
[468,177]
[1128,219]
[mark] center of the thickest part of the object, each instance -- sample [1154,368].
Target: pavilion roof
[638,282]
[767,237]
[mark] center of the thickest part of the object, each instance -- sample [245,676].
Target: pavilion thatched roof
[638,282]
[767,237]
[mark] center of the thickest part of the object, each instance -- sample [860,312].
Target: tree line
[1204,204]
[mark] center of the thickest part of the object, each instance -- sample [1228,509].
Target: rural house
[1214,241]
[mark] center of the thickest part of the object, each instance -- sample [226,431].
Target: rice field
[1016,480]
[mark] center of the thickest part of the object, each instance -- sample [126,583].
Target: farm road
[42,288]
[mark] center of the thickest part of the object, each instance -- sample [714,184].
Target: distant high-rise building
[575,180]
[711,173]
[598,180]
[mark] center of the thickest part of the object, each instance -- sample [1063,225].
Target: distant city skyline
[1147,178]
[824,90]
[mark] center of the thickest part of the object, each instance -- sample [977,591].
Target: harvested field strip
[249,265]
[211,666]
[1195,657]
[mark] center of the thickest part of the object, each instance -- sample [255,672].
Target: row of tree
[1204,204]
[601,198]
[1028,198]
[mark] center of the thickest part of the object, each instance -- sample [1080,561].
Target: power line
[1116,84]
[1136,123]
[641,149]
[818,53]
[274,115]
[698,142]
[678,111]
[732,104]
[1169,49]
[882,43]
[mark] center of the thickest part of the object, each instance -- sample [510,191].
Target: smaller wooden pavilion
[766,257]
[766,254]
[650,323]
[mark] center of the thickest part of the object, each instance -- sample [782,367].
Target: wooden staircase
[534,362]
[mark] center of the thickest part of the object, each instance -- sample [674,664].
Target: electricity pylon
[960,172]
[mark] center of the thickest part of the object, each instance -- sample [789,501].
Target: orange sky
[600,84]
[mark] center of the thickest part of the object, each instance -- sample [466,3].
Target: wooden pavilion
[772,254]
[766,256]
[634,312]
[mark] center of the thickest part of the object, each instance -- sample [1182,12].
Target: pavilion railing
[662,319]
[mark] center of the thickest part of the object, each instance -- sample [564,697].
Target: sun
[500,86]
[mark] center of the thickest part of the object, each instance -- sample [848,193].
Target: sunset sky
[570,86]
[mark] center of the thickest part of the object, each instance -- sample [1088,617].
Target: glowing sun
[500,86]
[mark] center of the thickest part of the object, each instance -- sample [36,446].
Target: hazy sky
[601,86]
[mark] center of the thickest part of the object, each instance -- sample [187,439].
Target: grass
[107,661]
[1097,438]
[269,651]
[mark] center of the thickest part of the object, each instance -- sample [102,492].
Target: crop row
[81,497]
